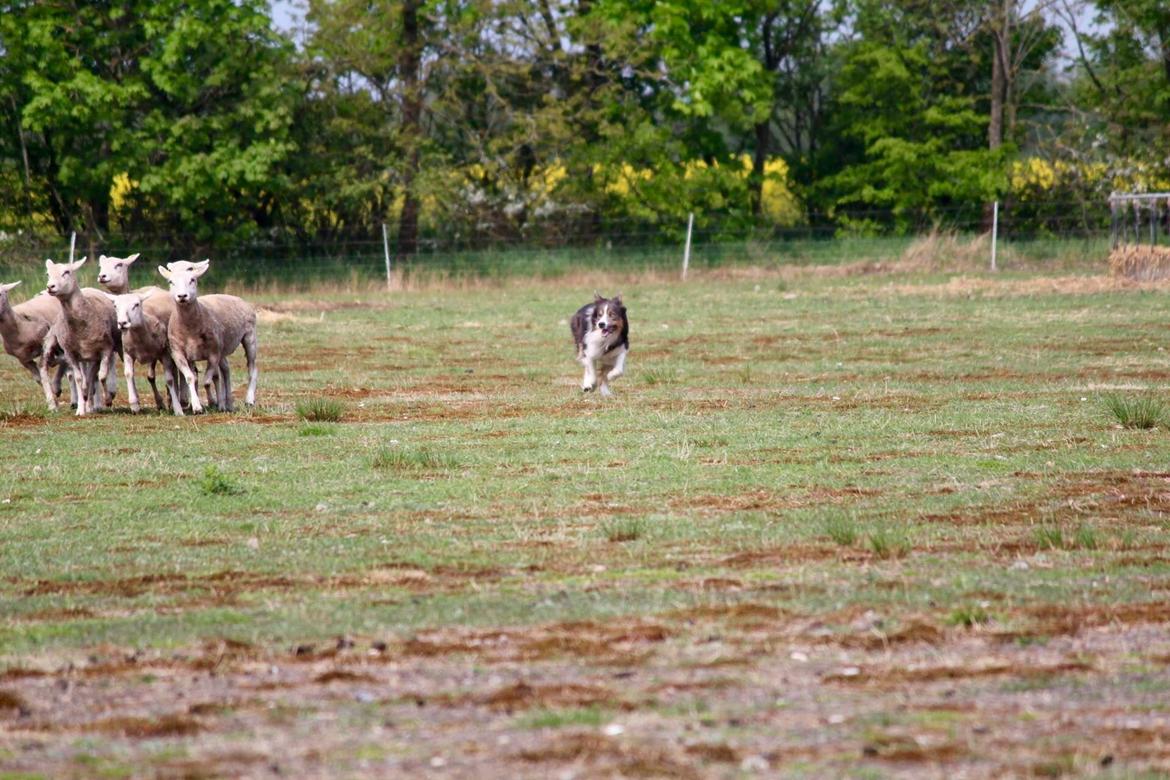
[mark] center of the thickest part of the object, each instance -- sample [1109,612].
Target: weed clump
[316,429]
[420,459]
[216,483]
[320,410]
[842,530]
[970,616]
[889,543]
[1143,412]
[624,530]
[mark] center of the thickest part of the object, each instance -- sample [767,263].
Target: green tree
[187,102]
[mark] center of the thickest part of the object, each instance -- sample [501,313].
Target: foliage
[321,410]
[1142,412]
[478,123]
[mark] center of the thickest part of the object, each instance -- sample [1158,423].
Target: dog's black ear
[617,299]
[598,297]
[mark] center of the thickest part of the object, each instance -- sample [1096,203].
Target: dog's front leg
[590,380]
[619,366]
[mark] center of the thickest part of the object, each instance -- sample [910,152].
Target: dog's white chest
[597,344]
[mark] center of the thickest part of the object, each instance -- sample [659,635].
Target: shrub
[842,530]
[624,529]
[888,543]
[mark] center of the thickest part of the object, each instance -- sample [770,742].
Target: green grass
[395,458]
[1142,412]
[321,410]
[847,431]
[217,483]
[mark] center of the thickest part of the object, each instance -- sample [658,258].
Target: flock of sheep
[78,330]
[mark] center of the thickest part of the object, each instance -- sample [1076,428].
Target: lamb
[144,338]
[23,328]
[114,275]
[209,328]
[86,332]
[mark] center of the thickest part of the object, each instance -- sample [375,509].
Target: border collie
[601,332]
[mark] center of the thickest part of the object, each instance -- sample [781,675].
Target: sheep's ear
[102,258]
[109,295]
[201,268]
[78,264]
[9,286]
[166,272]
[132,258]
[49,264]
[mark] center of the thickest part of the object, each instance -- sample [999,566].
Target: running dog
[601,332]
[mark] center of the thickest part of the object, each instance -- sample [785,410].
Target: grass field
[833,524]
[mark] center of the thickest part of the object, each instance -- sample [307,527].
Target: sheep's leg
[191,381]
[108,377]
[211,384]
[173,386]
[94,382]
[47,382]
[150,377]
[131,389]
[31,365]
[253,371]
[81,371]
[225,385]
[211,389]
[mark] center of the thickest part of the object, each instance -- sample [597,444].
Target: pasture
[833,524]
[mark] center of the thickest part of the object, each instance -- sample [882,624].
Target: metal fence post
[386,252]
[72,245]
[994,232]
[687,250]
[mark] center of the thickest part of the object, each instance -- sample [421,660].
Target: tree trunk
[759,164]
[409,63]
[1000,73]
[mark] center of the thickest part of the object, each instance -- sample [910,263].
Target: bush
[421,459]
[216,483]
[1143,412]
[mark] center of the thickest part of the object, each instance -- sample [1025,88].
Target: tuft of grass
[842,530]
[625,529]
[23,411]
[889,543]
[1141,412]
[658,375]
[1048,537]
[969,616]
[216,483]
[321,410]
[1085,538]
[551,719]
[394,458]
[317,429]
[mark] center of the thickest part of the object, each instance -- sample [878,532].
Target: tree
[187,103]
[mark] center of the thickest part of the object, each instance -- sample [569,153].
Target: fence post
[72,245]
[994,232]
[386,252]
[687,250]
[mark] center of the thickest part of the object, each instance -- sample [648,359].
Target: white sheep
[114,275]
[209,328]
[23,328]
[144,339]
[85,331]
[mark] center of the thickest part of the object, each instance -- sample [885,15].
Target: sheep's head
[62,277]
[4,288]
[115,271]
[184,279]
[128,308]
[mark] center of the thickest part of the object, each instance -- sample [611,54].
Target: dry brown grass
[1140,263]
[946,251]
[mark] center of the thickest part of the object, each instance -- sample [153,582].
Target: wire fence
[1056,231]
